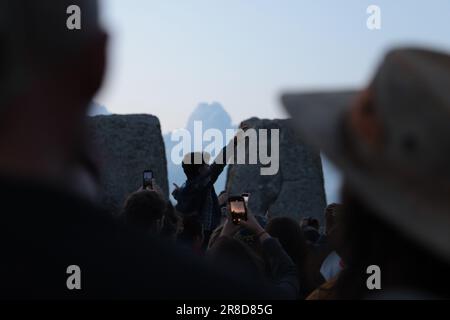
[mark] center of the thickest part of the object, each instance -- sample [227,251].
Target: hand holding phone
[238,209]
[253,225]
[147,179]
[246,196]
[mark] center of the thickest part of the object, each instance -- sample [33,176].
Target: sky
[167,56]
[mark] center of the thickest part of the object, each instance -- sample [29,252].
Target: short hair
[291,237]
[34,34]
[193,161]
[143,209]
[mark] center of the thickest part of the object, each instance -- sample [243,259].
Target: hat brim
[318,118]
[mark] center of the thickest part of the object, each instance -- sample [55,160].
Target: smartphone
[246,196]
[147,179]
[238,209]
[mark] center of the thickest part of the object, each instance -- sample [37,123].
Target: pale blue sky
[169,55]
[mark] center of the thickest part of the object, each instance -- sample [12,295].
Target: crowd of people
[277,250]
[392,144]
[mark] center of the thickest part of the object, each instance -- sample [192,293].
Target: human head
[290,235]
[144,211]
[36,41]
[391,140]
[49,75]
[194,163]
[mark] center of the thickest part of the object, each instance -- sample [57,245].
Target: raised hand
[253,225]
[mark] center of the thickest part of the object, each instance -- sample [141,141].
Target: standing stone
[126,145]
[297,190]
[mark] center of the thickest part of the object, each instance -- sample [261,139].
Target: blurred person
[335,244]
[279,267]
[197,194]
[391,143]
[85,177]
[49,76]
[291,237]
[144,211]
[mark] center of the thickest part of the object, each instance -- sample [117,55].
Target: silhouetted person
[197,194]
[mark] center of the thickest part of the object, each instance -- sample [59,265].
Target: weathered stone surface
[126,145]
[298,188]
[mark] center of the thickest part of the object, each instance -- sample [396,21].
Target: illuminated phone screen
[237,207]
[148,175]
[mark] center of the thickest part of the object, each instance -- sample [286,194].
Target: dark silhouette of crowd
[392,144]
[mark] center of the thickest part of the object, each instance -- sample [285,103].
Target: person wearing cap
[392,143]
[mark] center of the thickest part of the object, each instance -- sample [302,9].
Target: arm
[187,196]
[226,154]
[281,268]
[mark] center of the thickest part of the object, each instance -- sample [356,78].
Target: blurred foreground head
[392,142]
[48,76]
